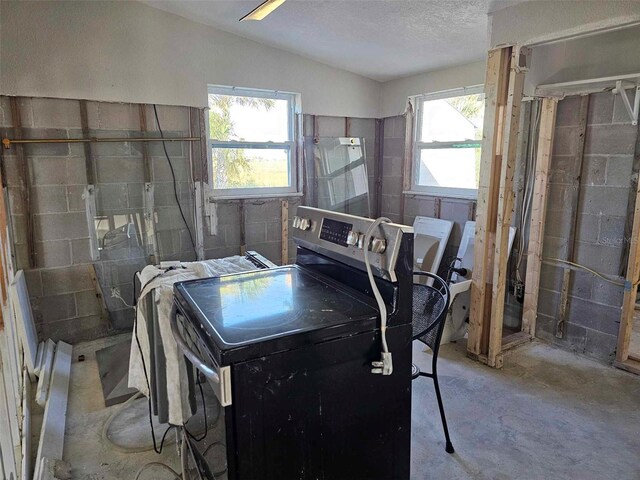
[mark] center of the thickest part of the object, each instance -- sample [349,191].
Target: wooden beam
[506,198]
[284,218]
[142,113]
[631,285]
[408,156]
[538,214]
[23,173]
[89,163]
[377,172]
[243,235]
[575,205]
[490,166]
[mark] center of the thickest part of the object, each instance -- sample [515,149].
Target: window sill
[220,198]
[418,193]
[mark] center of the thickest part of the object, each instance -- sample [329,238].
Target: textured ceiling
[380,39]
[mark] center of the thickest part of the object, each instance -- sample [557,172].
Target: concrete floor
[548,414]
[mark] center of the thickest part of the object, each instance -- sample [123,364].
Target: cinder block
[575,337]
[120,169]
[112,196]
[594,168]
[604,200]
[57,170]
[5,112]
[600,108]
[76,170]
[393,147]
[45,149]
[331,126]
[162,172]
[545,328]
[53,308]
[551,277]
[455,210]
[117,116]
[80,251]
[221,252]
[554,247]
[48,199]
[363,128]
[271,250]
[16,200]
[603,259]
[619,170]
[21,254]
[391,185]
[171,117]
[34,282]
[564,141]
[607,293]
[568,113]
[75,202]
[87,303]
[135,195]
[165,242]
[265,212]
[307,125]
[559,197]
[581,285]
[601,346]
[60,226]
[274,231]
[65,280]
[392,165]
[588,228]
[611,139]
[391,203]
[232,235]
[612,231]
[53,254]
[11,170]
[122,319]
[548,302]
[56,113]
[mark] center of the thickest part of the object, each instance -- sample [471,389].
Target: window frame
[417,146]
[292,146]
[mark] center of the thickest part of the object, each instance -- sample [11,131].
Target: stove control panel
[342,236]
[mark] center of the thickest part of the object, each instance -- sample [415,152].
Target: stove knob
[296,222]
[378,245]
[361,242]
[305,224]
[353,238]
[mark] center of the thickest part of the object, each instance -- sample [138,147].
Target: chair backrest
[430,306]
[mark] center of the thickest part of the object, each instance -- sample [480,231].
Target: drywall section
[130,52]
[546,20]
[603,55]
[593,313]
[395,93]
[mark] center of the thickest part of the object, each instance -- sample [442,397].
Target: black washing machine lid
[278,308]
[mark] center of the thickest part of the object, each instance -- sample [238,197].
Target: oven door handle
[208,372]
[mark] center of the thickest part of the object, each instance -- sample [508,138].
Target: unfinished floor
[548,414]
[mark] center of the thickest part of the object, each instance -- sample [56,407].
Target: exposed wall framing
[503,92]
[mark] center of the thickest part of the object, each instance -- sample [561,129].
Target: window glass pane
[449,167]
[251,119]
[453,119]
[250,167]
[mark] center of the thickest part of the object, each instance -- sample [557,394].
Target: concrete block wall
[593,316]
[61,289]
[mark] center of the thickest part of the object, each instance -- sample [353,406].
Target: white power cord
[385,365]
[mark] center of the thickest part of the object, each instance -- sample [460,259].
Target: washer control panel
[342,236]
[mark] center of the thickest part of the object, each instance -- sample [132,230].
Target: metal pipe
[6,142]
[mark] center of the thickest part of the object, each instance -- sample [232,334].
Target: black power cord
[175,186]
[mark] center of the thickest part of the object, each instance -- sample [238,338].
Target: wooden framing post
[506,198]
[630,293]
[490,166]
[538,214]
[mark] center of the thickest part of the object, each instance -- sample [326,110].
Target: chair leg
[449,446]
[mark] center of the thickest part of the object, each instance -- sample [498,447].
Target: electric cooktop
[253,307]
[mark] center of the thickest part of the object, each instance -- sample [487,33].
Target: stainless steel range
[311,361]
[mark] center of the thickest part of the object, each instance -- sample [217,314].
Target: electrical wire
[587,269]
[159,465]
[175,185]
[376,293]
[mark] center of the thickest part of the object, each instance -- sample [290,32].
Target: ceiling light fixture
[262,10]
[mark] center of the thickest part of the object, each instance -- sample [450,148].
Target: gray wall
[593,316]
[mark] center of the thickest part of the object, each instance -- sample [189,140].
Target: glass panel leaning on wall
[448,144]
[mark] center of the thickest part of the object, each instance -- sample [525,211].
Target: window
[252,138]
[448,137]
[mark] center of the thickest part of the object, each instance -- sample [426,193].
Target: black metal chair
[430,307]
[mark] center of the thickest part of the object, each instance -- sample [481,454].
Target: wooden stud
[631,286]
[408,157]
[495,98]
[538,214]
[89,162]
[142,113]
[284,218]
[104,311]
[511,135]
[377,173]
[575,204]
[23,172]
[243,236]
